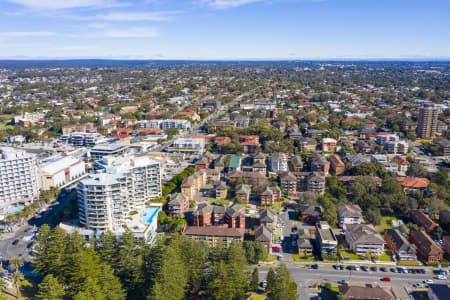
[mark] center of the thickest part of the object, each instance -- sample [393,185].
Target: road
[22,248]
[305,277]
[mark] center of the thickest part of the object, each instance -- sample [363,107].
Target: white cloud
[133,16]
[131,33]
[15,34]
[66,4]
[223,4]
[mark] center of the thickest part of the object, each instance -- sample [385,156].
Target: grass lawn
[219,201]
[408,263]
[299,258]
[257,297]
[352,256]
[385,224]
[384,257]
[271,257]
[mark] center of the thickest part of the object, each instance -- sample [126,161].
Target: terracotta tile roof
[413,182]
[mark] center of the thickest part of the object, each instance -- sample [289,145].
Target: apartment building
[399,245]
[337,167]
[83,139]
[108,199]
[428,121]
[188,145]
[427,249]
[363,238]
[278,162]
[164,124]
[212,234]
[19,181]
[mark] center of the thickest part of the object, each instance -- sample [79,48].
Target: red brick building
[428,250]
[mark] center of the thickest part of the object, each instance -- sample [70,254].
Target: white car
[429,281]
[441,277]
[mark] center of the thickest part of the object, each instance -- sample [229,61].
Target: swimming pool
[16,209]
[149,214]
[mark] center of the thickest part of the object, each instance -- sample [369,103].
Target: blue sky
[224,29]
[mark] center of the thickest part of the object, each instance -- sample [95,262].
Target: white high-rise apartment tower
[18,177]
[119,190]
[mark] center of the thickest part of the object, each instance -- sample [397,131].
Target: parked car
[441,277]
[315,266]
[418,285]
[374,269]
[383,269]
[342,281]
[365,268]
[386,279]
[394,270]
[263,284]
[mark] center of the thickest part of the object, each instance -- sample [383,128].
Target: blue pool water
[149,214]
[16,209]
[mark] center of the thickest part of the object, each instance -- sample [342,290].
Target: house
[306,144]
[178,204]
[427,249]
[368,292]
[413,183]
[399,245]
[278,162]
[349,214]
[270,195]
[402,164]
[329,145]
[193,183]
[337,167]
[357,159]
[363,238]
[326,239]
[243,192]
[259,167]
[264,235]
[310,214]
[219,163]
[438,291]
[423,220]
[249,142]
[235,164]
[212,234]
[259,158]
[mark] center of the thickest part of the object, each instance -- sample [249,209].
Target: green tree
[172,281]
[284,288]
[254,280]
[270,280]
[50,289]
[3,287]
